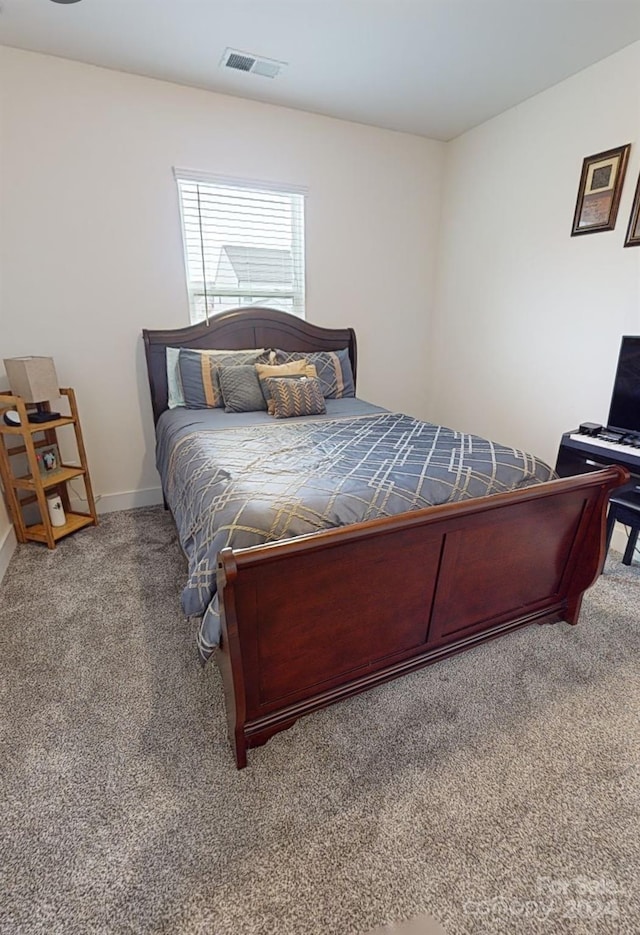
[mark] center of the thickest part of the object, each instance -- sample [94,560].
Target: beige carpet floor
[498,792]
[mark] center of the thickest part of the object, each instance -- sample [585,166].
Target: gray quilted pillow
[241,390]
[333,369]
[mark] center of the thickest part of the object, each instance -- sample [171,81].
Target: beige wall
[516,340]
[528,320]
[90,243]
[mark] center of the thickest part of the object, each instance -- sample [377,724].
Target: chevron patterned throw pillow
[295,396]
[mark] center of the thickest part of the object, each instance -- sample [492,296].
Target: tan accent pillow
[294,368]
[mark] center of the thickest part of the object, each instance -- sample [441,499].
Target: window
[243,244]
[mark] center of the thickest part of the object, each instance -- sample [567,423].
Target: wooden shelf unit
[22,490]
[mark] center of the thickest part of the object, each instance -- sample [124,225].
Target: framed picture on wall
[633,231]
[599,191]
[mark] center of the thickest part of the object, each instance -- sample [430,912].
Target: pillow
[293,368]
[296,396]
[333,367]
[175,396]
[199,374]
[240,387]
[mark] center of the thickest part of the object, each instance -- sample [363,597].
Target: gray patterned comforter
[255,483]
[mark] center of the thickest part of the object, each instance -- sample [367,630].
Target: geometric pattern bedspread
[250,485]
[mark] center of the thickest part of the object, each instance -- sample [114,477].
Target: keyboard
[628,450]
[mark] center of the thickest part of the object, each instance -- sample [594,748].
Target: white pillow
[174,384]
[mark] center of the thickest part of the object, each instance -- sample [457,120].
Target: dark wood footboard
[310,621]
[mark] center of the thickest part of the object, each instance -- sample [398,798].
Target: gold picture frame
[599,191]
[633,231]
[49,463]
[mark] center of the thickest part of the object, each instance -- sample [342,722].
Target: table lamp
[36,381]
[32,378]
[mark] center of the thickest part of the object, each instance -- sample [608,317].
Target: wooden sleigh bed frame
[399,592]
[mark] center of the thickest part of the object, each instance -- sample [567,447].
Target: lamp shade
[32,378]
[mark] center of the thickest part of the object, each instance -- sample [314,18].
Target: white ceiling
[430,67]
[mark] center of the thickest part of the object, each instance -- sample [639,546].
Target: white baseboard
[127,500]
[6,550]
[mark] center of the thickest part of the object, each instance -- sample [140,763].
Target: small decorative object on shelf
[45,481]
[49,461]
[56,510]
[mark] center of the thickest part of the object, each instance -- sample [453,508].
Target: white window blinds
[243,244]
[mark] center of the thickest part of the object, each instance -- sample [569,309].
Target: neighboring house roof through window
[256,265]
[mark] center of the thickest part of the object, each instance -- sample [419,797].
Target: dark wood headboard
[237,329]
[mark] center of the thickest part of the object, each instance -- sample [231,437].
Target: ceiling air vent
[242,61]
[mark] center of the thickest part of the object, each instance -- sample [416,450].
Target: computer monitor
[624,414]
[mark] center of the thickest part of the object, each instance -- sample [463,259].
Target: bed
[305,605]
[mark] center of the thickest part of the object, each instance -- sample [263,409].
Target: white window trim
[232,181]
